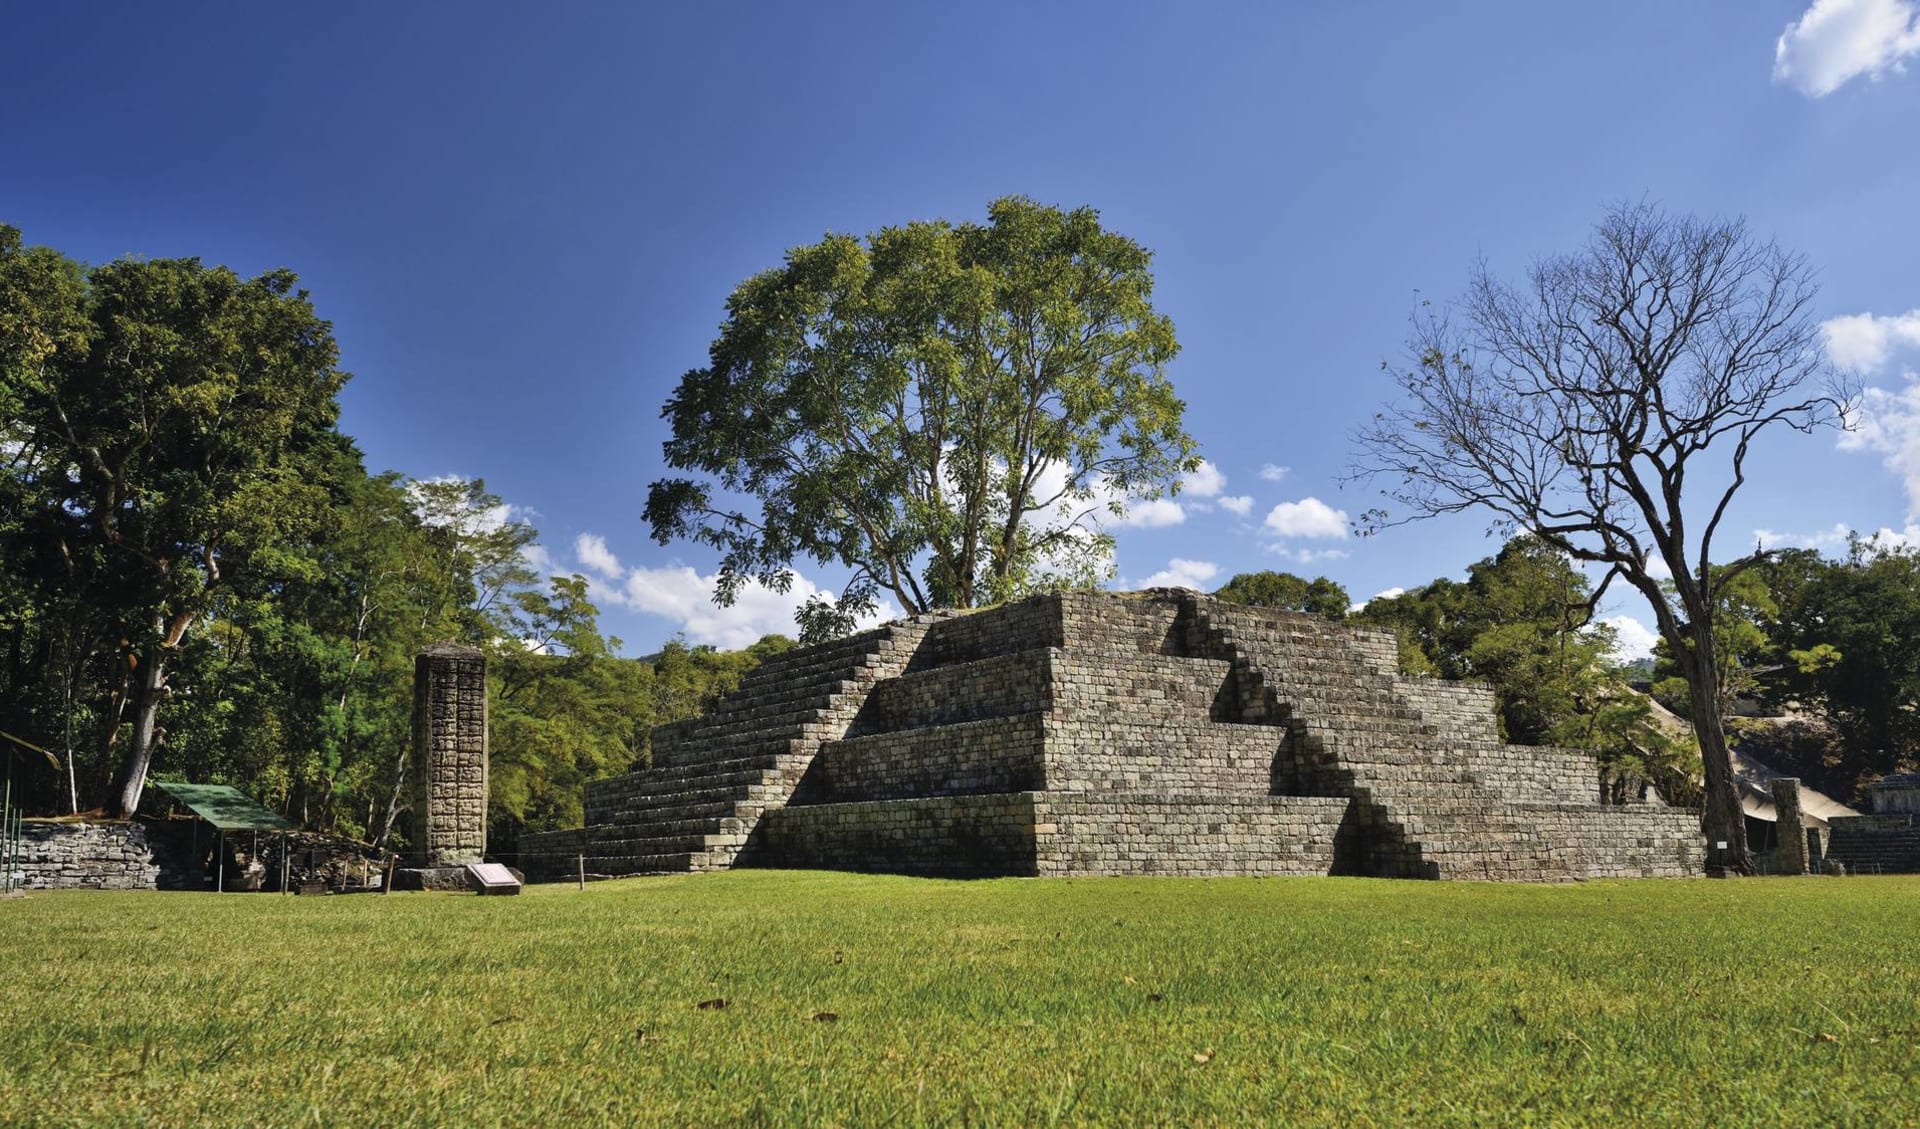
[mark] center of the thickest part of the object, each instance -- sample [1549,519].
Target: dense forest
[200,579]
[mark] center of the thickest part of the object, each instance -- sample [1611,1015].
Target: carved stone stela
[449,755]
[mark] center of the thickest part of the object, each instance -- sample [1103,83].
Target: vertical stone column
[1792,830]
[449,755]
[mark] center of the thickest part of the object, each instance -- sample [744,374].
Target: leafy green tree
[1285,590]
[1850,632]
[940,408]
[179,443]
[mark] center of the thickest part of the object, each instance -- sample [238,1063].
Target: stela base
[430,878]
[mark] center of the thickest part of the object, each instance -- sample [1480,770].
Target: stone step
[996,686]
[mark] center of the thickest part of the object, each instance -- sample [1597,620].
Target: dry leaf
[1128,980]
[711,1005]
[1204,1057]
[825,1017]
[1823,1037]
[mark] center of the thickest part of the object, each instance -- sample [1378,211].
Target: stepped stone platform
[1161,732]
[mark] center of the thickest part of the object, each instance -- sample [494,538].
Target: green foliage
[861,1000]
[1850,632]
[195,566]
[937,407]
[1285,590]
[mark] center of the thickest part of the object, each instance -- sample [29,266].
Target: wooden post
[583,871]
[220,863]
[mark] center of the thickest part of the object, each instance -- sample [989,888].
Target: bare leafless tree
[1609,407]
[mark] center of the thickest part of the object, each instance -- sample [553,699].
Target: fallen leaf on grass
[825,1017]
[1823,1037]
[1204,1057]
[711,1005]
[1128,980]
[502,1019]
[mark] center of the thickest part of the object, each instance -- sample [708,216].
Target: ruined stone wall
[87,856]
[1530,774]
[1195,836]
[967,637]
[956,836]
[998,754]
[1457,709]
[1017,682]
[1875,844]
[450,755]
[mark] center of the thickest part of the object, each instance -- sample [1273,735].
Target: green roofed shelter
[228,809]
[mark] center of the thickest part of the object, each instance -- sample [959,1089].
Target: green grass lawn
[864,1000]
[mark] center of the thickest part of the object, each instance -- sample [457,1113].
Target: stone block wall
[1530,774]
[87,856]
[975,635]
[996,754]
[1456,709]
[953,836]
[1016,682]
[1202,836]
[1875,844]
[449,755]
[1110,624]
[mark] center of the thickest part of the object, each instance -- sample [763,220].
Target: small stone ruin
[1101,734]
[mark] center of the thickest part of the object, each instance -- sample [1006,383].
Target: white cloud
[1204,481]
[1241,505]
[1272,473]
[1835,542]
[1150,514]
[1888,424]
[1183,573]
[1866,342]
[1631,638]
[592,550]
[537,558]
[1384,594]
[1827,539]
[1836,41]
[681,595]
[1309,517]
[1307,556]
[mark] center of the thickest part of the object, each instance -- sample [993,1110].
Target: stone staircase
[712,777]
[1433,799]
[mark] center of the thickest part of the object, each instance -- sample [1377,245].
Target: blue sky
[523,220]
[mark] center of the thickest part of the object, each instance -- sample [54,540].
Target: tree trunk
[1722,819]
[150,683]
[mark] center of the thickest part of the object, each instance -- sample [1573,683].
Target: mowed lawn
[863,1000]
